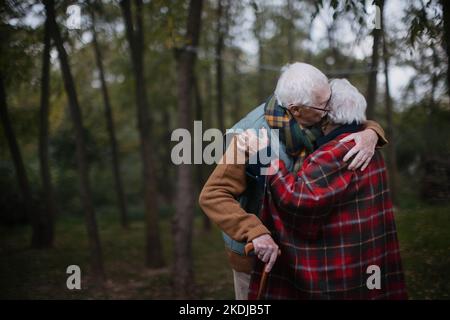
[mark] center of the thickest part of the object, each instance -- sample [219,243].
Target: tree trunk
[392,159]
[221,26]
[261,86]
[83,169]
[184,215]
[372,85]
[166,175]
[237,81]
[22,178]
[434,82]
[261,73]
[209,97]
[43,236]
[290,29]
[111,130]
[446,18]
[135,36]
[200,181]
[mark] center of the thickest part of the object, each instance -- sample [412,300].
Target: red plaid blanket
[331,224]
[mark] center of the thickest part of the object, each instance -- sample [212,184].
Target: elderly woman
[335,227]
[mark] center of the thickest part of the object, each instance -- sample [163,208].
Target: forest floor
[41,274]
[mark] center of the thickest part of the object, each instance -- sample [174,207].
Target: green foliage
[425,21]
[422,131]
[164,27]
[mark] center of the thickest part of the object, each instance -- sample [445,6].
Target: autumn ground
[40,274]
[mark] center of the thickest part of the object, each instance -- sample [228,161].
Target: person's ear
[295,110]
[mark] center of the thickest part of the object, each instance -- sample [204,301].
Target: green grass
[424,237]
[40,274]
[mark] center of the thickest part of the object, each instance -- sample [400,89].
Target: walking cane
[262,283]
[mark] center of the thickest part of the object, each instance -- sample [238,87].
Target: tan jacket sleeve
[218,201]
[375,126]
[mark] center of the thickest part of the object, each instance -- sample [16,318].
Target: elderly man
[232,195]
[335,227]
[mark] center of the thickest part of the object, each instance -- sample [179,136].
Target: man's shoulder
[253,120]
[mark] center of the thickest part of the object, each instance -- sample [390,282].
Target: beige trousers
[241,284]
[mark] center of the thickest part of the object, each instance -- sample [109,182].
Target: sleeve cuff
[382,141]
[257,231]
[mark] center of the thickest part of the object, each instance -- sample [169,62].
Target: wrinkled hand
[266,249]
[252,140]
[365,143]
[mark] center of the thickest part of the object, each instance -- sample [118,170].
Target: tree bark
[446,18]
[372,85]
[165,177]
[290,29]
[111,129]
[184,215]
[222,25]
[43,234]
[16,155]
[209,97]
[83,169]
[135,36]
[434,81]
[392,159]
[237,104]
[200,168]
[261,86]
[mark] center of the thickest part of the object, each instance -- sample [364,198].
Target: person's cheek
[316,117]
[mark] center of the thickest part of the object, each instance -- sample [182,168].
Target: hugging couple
[322,222]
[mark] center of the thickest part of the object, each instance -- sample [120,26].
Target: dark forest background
[88,106]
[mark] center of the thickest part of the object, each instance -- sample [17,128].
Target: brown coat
[218,200]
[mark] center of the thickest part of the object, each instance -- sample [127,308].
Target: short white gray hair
[347,104]
[298,82]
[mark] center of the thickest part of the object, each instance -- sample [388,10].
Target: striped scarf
[299,141]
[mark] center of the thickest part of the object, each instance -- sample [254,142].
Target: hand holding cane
[262,284]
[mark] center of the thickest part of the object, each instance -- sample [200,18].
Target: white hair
[298,84]
[347,104]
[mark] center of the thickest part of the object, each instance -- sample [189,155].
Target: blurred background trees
[87,110]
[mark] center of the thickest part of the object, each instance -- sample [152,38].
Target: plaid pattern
[331,224]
